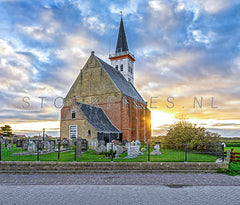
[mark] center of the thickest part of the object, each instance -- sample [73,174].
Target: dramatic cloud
[184,49]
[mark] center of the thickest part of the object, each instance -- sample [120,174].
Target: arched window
[116,67]
[121,67]
[129,69]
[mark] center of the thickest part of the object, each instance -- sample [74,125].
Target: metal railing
[183,152]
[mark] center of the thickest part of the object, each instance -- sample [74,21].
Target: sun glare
[159,118]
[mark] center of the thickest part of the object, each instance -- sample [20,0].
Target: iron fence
[162,152]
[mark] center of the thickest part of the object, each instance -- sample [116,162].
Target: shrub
[197,138]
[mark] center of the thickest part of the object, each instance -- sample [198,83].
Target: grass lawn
[167,155]
[236,149]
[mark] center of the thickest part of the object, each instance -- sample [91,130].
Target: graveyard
[80,150]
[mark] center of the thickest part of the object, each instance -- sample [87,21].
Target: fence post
[0,151]
[232,156]
[222,152]
[186,152]
[38,151]
[58,150]
[75,156]
[148,148]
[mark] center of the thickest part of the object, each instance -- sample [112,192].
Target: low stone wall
[108,166]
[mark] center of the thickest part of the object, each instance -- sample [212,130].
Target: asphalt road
[87,189]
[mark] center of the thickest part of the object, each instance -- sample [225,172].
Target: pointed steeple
[122,60]
[122,40]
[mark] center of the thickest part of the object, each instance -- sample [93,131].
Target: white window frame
[70,130]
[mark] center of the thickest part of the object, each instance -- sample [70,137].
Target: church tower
[122,60]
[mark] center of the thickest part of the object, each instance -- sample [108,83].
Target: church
[103,103]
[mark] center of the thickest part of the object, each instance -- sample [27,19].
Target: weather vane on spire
[121,13]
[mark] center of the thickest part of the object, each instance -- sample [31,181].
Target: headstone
[119,150]
[138,143]
[25,144]
[9,146]
[124,142]
[84,145]
[15,138]
[102,142]
[7,142]
[156,150]
[65,143]
[19,143]
[52,146]
[41,145]
[133,152]
[47,147]
[32,147]
[78,147]
[110,146]
[93,144]
[101,149]
[1,139]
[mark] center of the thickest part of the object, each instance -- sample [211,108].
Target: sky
[187,58]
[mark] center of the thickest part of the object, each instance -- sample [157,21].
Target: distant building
[103,102]
[20,136]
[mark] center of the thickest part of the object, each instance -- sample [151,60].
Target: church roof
[97,118]
[122,40]
[121,83]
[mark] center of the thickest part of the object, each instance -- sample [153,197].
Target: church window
[129,69]
[121,67]
[116,67]
[119,50]
[89,132]
[73,114]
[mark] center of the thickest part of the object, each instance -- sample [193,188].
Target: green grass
[168,155]
[233,169]
[236,149]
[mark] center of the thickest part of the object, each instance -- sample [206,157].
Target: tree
[197,138]
[6,131]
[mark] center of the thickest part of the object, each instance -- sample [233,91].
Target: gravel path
[167,179]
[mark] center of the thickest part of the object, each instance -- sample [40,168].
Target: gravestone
[25,144]
[101,149]
[1,139]
[78,147]
[84,145]
[138,143]
[7,142]
[47,146]
[93,144]
[52,146]
[32,148]
[124,142]
[9,146]
[102,142]
[19,143]
[110,146]
[41,145]
[15,138]
[119,150]
[133,152]
[65,143]
[156,150]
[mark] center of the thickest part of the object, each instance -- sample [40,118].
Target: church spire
[122,40]
[122,60]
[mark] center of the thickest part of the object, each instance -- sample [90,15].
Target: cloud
[93,23]
[212,7]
